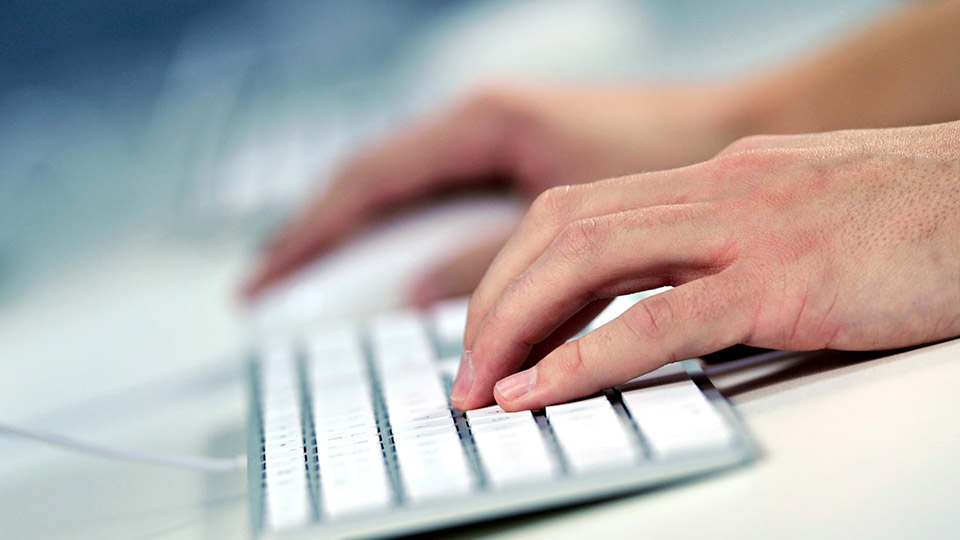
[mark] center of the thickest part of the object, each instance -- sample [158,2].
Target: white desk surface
[136,341]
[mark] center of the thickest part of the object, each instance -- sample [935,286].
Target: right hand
[532,137]
[844,240]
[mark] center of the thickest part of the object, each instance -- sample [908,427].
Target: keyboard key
[286,496]
[449,366]
[353,476]
[352,471]
[573,407]
[343,341]
[353,489]
[342,404]
[432,462]
[404,438]
[360,455]
[676,419]
[433,420]
[591,435]
[432,474]
[287,507]
[420,416]
[414,393]
[449,318]
[510,446]
[494,413]
[400,342]
[284,460]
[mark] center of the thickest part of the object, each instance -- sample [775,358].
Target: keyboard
[352,434]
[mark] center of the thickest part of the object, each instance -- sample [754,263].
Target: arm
[902,70]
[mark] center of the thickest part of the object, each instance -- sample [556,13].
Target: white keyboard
[352,433]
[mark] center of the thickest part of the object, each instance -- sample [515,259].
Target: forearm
[902,70]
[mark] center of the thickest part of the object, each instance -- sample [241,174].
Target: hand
[533,138]
[458,275]
[844,240]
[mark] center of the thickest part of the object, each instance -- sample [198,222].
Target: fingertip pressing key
[464,381]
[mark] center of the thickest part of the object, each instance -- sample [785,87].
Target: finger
[565,331]
[331,216]
[458,275]
[461,147]
[558,207]
[593,258]
[699,317]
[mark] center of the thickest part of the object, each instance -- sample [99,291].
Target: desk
[135,340]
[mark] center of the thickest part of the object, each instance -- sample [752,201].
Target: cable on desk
[210,464]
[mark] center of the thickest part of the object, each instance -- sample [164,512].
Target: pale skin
[839,239]
[844,240]
[533,137]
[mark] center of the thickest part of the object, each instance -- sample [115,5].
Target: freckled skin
[844,240]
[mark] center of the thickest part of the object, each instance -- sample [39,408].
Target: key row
[513,448]
[286,494]
[352,473]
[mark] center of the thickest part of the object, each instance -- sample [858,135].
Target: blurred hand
[533,138]
[844,240]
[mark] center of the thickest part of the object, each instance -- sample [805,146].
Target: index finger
[558,207]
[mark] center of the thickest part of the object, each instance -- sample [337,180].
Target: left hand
[844,240]
[531,137]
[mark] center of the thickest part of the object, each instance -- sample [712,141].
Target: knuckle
[524,283]
[651,319]
[573,362]
[521,286]
[555,205]
[736,162]
[581,238]
[751,165]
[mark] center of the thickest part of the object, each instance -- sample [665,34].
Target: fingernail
[461,386]
[517,384]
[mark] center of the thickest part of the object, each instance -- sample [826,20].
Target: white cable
[211,464]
